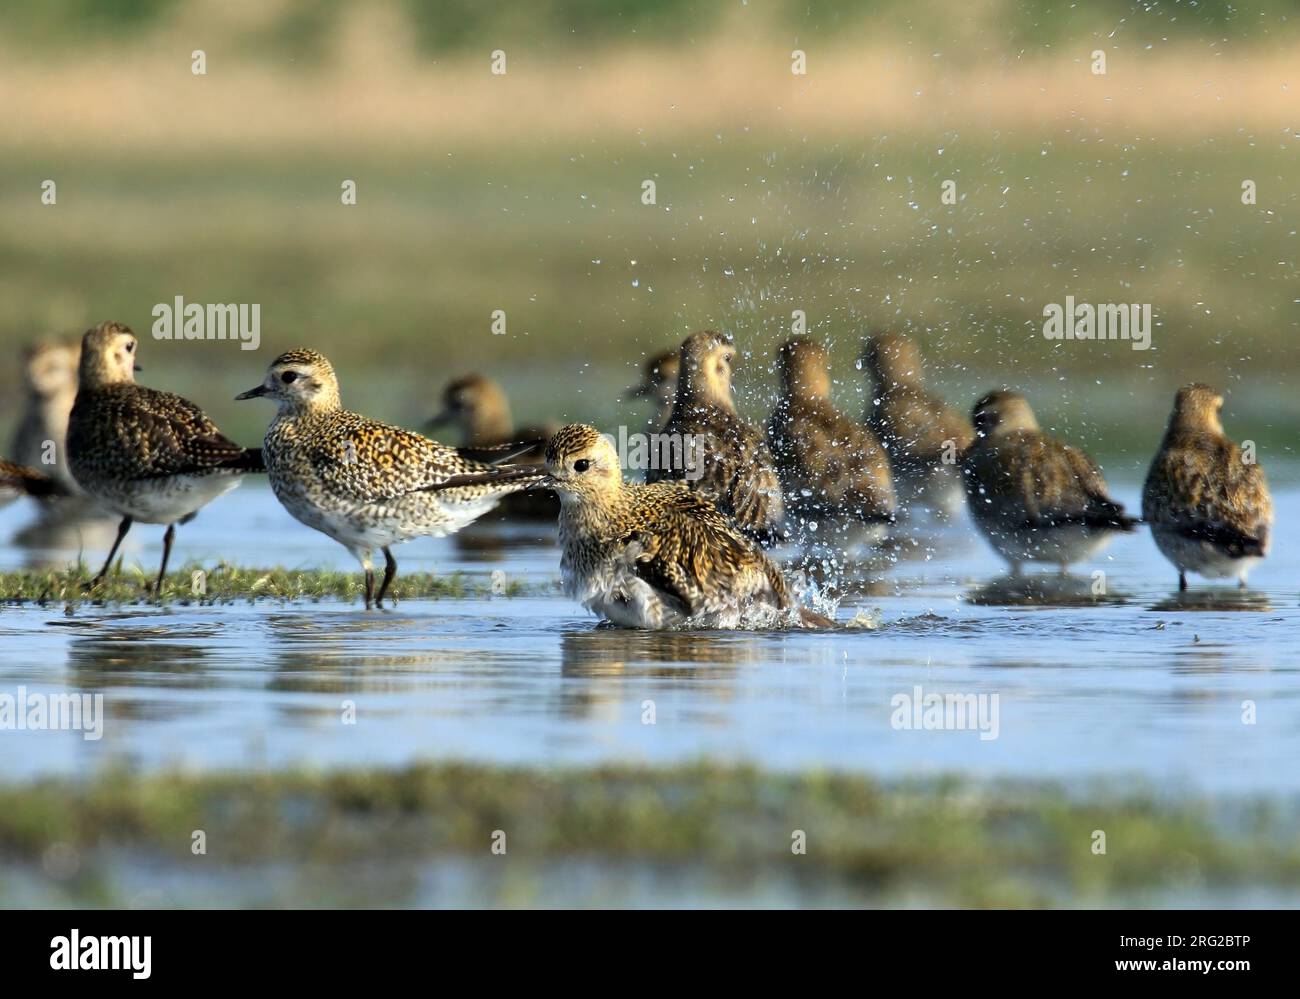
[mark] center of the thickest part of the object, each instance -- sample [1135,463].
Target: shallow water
[1137,684]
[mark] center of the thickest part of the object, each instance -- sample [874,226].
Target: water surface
[1137,684]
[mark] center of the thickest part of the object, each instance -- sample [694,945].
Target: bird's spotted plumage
[1035,498]
[1208,507]
[364,483]
[731,464]
[658,555]
[829,465]
[142,453]
[922,435]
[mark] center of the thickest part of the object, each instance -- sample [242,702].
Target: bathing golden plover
[923,436]
[659,383]
[478,408]
[1209,508]
[142,453]
[50,381]
[725,460]
[1035,498]
[830,466]
[659,555]
[364,483]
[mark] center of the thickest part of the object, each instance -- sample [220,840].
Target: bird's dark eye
[130,346]
[581,465]
[288,377]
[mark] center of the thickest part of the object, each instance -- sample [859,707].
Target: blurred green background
[775,192]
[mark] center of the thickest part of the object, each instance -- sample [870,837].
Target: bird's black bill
[252,393]
[138,368]
[439,421]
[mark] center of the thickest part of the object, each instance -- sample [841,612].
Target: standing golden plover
[142,453]
[727,461]
[922,435]
[660,384]
[656,556]
[364,483]
[1209,508]
[830,465]
[1035,498]
[478,407]
[50,380]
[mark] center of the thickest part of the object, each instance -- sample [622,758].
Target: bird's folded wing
[925,424]
[372,462]
[1208,492]
[1042,482]
[752,487]
[166,435]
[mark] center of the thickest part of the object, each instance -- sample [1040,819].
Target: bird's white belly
[615,593]
[1200,557]
[377,525]
[1071,543]
[165,500]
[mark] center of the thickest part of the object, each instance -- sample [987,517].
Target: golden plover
[923,436]
[478,408]
[660,384]
[830,466]
[142,453]
[50,380]
[18,480]
[1035,498]
[1208,507]
[364,483]
[656,556]
[727,461]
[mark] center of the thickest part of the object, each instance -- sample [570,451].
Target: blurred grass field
[774,192]
[694,834]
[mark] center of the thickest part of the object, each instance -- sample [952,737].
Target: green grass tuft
[225,584]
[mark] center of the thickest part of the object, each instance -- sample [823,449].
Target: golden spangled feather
[684,547]
[363,461]
[827,463]
[1200,486]
[125,431]
[1024,478]
[736,470]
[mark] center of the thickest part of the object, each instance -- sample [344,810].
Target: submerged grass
[223,584]
[948,841]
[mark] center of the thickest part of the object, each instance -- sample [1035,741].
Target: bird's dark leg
[1241,582]
[122,528]
[390,570]
[1182,581]
[168,535]
[370,588]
